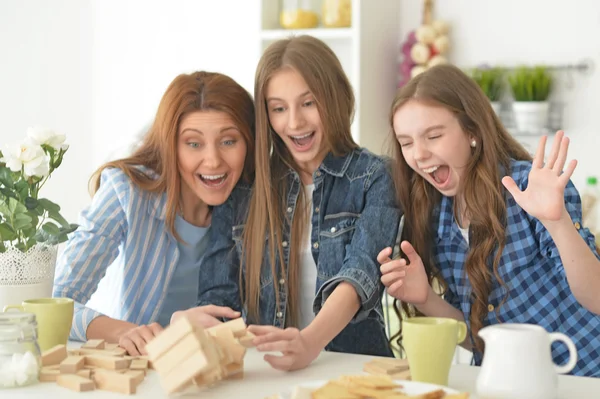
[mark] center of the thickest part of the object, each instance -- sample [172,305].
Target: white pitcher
[518,362]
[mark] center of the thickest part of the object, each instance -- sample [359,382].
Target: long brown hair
[198,91]
[483,192]
[324,75]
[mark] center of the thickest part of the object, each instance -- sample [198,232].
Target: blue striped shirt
[124,228]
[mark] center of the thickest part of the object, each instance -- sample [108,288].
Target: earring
[473,143]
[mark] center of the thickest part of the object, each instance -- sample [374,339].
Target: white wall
[511,32]
[45,79]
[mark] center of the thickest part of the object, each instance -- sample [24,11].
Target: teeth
[213,177]
[301,137]
[431,170]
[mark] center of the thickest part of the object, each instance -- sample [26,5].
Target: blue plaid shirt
[531,268]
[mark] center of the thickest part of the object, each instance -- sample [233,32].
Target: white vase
[531,117]
[26,275]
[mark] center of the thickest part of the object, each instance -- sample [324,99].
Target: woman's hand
[206,316]
[544,196]
[296,351]
[406,282]
[135,339]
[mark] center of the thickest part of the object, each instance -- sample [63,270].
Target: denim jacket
[354,217]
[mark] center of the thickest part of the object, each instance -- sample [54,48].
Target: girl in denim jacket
[500,231]
[319,211]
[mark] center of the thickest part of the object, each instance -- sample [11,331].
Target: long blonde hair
[332,91]
[198,91]
[484,194]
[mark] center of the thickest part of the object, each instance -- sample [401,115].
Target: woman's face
[211,152]
[294,116]
[433,144]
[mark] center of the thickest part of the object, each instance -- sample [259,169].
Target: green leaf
[22,188]
[49,205]
[5,210]
[63,238]
[58,217]
[31,203]
[71,228]
[51,229]
[22,221]
[7,233]
[9,193]
[15,207]
[30,243]
[2,247]
[6,177]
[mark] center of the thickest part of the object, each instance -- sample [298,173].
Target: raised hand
[296,352]
[406,282]
[544,196]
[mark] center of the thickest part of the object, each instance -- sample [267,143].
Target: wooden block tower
[185,355]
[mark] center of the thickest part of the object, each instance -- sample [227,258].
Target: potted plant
[531,88]
[491,82]
[31,227]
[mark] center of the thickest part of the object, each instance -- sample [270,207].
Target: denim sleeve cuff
[82,317]
[366,289]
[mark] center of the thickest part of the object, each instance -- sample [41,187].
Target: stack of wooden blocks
[188,356]
[96,365]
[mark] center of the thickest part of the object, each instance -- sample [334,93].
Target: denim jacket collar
[335,166]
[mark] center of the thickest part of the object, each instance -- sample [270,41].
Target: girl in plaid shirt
[498,231]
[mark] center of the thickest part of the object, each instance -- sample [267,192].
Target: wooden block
[71,364]
[102,352]
[166,339]
[139,364]
[184,372]
[85,373]
[110,347]
[189,345]
[53,367]
[137,376]
[75,382]
[246,340]
[94,344]
[235,371]
[114,382]
[301,393]
[54,355]
[237,326]
[107,362]
[48,375]
[231,346]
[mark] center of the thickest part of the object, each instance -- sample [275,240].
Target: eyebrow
[200,132]
[307,92]
[429,129]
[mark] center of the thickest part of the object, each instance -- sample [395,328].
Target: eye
[403,145]
[193,144]
[309,103]
[435,137]
[278,109]
[229,143]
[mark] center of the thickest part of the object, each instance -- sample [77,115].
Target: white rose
[29,156]
[42,136]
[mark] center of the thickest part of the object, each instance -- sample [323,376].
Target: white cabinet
[368,51]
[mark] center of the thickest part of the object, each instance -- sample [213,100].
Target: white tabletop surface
[261,381]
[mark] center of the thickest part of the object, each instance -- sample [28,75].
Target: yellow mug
[54,317]
[430,343]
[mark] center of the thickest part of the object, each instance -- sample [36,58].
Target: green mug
[54,317]
[430,343]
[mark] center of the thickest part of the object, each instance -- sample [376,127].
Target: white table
[260,381]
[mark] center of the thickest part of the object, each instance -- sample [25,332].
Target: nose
[296,119]
[420,151]
[212,157]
